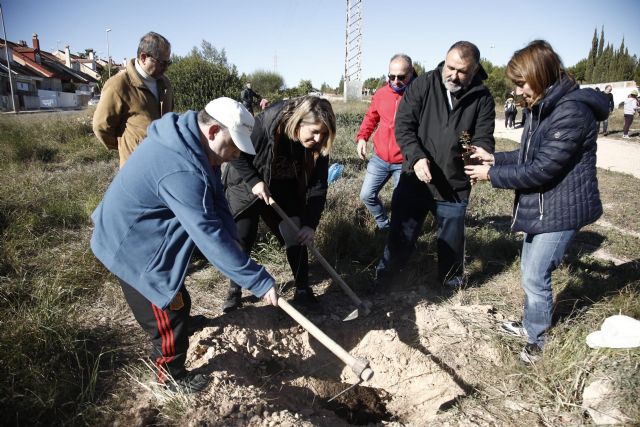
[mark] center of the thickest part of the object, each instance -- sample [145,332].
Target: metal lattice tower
[353,51]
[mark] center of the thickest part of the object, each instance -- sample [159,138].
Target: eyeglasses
[166,63]
[392,77]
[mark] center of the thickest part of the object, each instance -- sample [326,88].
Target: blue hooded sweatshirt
[164,201]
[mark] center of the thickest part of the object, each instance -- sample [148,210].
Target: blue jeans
[541,254]
[412,201]
[378,173]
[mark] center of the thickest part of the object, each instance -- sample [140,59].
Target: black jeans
[247,226]
[412,201]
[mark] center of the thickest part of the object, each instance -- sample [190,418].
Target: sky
[304,39]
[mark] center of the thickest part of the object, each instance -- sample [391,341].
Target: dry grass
[64,328]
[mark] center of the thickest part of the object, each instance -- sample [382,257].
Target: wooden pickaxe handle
[333,273]
[359,366]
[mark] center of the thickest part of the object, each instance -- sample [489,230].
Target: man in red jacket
[386,161]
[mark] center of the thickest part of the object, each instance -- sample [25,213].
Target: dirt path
[613,154]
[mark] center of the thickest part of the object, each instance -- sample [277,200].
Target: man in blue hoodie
[165,201]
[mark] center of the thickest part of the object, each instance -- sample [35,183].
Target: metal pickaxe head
[363,309]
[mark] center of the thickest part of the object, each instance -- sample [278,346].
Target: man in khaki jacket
[132,99]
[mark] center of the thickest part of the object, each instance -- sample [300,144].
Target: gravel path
[613,154]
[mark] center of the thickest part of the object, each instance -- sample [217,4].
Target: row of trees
[606,64]
[206,73]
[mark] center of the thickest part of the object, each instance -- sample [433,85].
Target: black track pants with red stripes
[166,328]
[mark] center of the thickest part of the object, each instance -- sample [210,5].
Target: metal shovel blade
[352,316]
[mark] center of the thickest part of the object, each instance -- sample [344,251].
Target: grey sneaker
[232,302]
[188,384]
[514,328]
[531,354]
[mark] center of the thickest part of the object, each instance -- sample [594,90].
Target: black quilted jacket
[242,174]
[554,172]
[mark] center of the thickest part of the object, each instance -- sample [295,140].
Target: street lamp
[108,52]
[6,53]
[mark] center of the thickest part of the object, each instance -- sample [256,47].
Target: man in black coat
[441,111]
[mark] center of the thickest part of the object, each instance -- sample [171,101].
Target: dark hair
[538,65]
[466,50]
[153,44]
[205,119]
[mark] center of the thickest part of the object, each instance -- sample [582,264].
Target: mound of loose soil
[267,370]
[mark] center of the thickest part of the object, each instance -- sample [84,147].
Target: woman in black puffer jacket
[292,140]
[553,173]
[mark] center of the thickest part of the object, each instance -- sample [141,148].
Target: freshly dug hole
[361,405]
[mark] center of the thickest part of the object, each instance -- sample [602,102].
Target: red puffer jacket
[382,113]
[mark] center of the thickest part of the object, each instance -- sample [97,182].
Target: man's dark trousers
[168,329]
[412,201]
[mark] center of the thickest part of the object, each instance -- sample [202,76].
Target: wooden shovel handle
[359,366]
[333,273]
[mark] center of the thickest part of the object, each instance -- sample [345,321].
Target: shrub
[196,82]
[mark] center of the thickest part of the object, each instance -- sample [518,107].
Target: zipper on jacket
[541,204]
[395,112]
[526,156]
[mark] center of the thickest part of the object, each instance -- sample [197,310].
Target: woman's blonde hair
[538,65]
[310,110]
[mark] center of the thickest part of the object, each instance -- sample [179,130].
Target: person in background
[133,98]
[166,200]
[510,111]
[630,108]
[439,110]
[292,141]
[386,161]
[553,174]
[605,122]
[247,96]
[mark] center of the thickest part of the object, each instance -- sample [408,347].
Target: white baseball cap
[618,331]
[236,118]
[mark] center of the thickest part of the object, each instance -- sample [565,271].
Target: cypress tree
[601,44]
[610,63]
[591,59]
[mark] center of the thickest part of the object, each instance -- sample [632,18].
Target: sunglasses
[392,77]
[166,63]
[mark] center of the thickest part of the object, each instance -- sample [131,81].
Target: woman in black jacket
[292,140]
[553,173]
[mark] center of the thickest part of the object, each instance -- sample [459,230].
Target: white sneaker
[625,136]
[514,328]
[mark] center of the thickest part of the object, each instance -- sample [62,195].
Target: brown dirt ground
[423,345]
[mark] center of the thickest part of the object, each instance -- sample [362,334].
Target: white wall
[53,99]
[620,90]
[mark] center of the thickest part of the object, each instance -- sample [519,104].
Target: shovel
[362,307]
[360,367]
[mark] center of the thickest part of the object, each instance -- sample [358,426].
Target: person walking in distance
[630,109]
[247,95]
